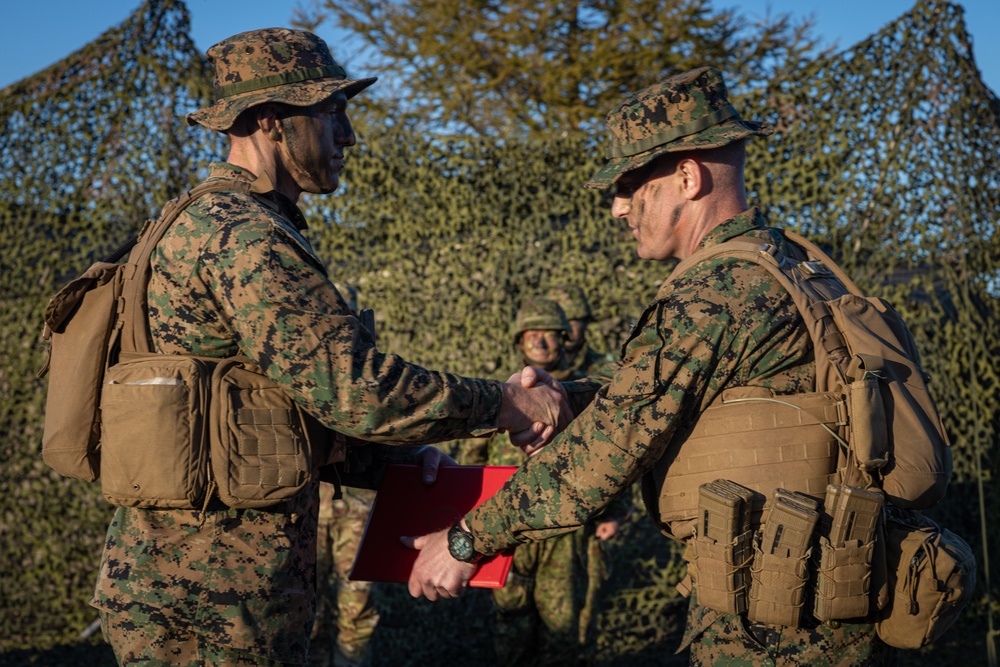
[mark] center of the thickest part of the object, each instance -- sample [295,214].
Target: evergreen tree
[531,67]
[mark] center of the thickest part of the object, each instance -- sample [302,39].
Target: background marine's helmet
[540,314]
[572,300]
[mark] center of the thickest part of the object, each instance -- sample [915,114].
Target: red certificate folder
[406,506]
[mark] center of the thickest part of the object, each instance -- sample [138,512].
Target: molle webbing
[754,438]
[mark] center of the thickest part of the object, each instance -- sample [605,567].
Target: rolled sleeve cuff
[486,408]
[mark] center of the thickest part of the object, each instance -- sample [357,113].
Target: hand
[432,458]
[606,530]
[436,574]
[535,408]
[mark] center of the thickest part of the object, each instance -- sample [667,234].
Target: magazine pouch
[843,580]
[721,571]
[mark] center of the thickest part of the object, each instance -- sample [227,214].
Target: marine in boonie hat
[688,111]
[272,65]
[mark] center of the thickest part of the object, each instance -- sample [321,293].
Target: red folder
[406,506]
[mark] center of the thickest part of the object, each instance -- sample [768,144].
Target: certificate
[405,506]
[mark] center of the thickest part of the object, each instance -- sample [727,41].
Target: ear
[267,121]
[692,178]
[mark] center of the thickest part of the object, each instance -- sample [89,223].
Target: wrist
[461,544]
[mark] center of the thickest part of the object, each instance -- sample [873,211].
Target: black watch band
[461,545]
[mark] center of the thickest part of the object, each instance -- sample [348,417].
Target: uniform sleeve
[679,349]
[286,315]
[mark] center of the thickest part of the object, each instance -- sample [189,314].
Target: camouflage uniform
[545,612]
[722,323]
[234,275]
[340,602]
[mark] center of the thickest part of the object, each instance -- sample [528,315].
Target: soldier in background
[546,613]
[580,357]
[339,601]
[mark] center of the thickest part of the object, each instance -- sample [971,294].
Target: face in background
[542,348]
[577,336]
[314,141]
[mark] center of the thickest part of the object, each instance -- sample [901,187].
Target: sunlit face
[542,348]
[315,139]
[650,200]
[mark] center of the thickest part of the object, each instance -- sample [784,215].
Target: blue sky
[37,34]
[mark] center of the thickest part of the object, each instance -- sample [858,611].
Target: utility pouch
[869,431]
[261,453]
[931,578]
[154,449]
[780,569]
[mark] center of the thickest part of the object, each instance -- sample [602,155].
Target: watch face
[460,546]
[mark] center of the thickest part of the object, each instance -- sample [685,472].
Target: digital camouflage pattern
[232,276]
[546,613]
[723,323]
[683,112]
[730,641]
[588,362]
[346,615]
[539,314]
[272,65]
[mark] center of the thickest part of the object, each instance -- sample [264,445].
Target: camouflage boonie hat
[349,293]
[572,300]
[689,111]
[272,65]
[540,315]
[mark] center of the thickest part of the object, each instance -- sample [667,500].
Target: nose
[620,206]
[345,132]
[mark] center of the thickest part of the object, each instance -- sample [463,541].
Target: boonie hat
[540,314]
[272,65]
[688,111]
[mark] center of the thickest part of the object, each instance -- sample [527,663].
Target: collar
[262,189]
[750,220]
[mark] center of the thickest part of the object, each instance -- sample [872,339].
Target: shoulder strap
[814,252]
[132,308]
[810,283]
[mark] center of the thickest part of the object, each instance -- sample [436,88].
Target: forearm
[559,489]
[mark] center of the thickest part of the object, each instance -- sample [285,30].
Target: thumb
[413,542]
[529,376]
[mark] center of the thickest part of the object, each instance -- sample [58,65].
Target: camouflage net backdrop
[885,153]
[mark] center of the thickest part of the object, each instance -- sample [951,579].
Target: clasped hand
[535,408]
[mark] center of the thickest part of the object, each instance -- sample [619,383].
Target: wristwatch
[460,544]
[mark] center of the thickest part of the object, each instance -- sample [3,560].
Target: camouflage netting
[886,153]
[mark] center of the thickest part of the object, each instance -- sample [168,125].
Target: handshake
[535,408]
